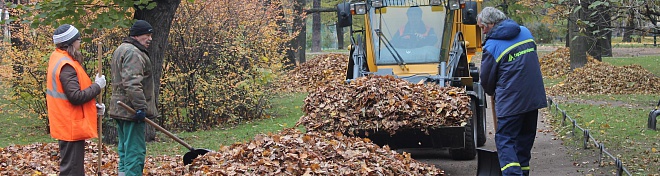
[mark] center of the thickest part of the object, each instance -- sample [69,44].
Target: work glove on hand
[139,115]
[100,109]
[100,80]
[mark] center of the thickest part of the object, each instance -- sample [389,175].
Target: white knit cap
[65,33]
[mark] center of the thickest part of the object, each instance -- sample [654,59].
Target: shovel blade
[488,164]
[192,154]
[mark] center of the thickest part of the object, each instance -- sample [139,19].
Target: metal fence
[586,137]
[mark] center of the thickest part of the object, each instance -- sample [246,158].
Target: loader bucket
[488,164]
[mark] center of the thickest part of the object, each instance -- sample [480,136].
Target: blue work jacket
[510,70]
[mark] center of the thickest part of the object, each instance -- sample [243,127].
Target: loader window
[413,32]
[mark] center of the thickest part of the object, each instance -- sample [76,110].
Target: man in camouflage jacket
[133,84]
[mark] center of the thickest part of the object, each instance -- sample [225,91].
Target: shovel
[189,156]
[488,164]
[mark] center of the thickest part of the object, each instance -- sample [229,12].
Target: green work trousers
[132,147]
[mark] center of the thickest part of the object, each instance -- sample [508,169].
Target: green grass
[551,82]
[622,130]
[286,111]
[20,131]
[642,101]
[649,63]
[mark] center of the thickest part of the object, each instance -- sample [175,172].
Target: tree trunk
[578,44]
[630,26]
[290,61]
[568,34]
[316,28]
[160,18]
[603,37]
[300,43]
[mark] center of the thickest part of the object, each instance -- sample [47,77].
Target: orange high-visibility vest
[68,122]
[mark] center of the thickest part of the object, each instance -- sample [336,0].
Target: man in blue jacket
[510,71]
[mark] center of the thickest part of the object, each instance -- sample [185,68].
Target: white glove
[100,80]
[100,108]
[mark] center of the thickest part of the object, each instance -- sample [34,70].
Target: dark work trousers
[132,148]
[514,139]
[72,158]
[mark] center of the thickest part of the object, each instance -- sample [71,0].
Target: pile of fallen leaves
[603,78]
[287,153]
[43,159]
[384,103]
[293,153]
[556,64]
[316,72]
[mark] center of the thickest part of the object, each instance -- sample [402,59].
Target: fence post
[601,147]
[563,119]
[619,167]
[574,125]
[586,139]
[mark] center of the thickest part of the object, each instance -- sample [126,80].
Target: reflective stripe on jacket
[68,122]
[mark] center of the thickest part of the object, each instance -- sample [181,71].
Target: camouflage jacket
[132,81]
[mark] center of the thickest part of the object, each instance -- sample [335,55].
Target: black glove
[139,115]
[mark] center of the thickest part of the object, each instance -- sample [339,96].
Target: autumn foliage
[222,56]
[289,152]
[317,72]
[556,64]
[384,103]
[218,63]
[603,78]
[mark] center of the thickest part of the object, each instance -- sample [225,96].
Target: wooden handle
[100,100]
[99,58]
[159,128]
[492,108]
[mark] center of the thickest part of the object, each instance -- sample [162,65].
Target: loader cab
[411,34]
[404,37]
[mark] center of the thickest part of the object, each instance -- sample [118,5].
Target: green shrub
[220,62]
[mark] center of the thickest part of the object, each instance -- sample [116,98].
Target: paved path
[550,158]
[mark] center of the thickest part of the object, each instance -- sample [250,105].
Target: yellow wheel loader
[421,41]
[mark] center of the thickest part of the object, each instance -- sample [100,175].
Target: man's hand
[100,80]
[140,115]
[100,109]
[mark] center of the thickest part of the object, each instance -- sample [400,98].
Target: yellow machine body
[471,39]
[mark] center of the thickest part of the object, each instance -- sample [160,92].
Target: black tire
[481,120]
[470,150]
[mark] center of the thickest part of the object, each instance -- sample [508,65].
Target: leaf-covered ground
[289,152]
[384,103]
[603,78]
[556,64]
[596,77]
